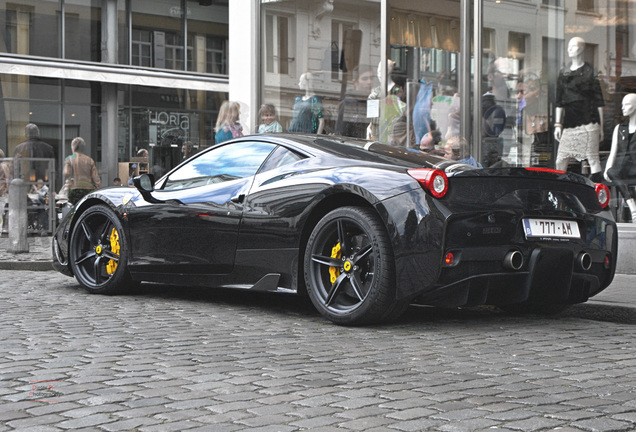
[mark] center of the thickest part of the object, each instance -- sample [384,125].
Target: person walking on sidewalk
[80,169]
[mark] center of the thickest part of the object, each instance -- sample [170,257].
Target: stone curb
[27,265]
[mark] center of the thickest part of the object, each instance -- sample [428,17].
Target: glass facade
[517,100]
[31,28]
[493,83]
[90,38]
[319,64]
[164,37]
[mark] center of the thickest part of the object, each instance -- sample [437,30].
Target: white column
[109,94]
[244,59]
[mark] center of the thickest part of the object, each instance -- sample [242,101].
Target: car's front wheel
[349,268]
[98,252]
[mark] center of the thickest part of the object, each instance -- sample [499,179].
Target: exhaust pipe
[584,261]
[513,260]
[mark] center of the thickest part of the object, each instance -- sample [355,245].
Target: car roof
[358,149]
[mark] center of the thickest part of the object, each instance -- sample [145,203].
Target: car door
[192,225]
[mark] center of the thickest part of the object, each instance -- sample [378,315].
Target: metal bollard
[18,242]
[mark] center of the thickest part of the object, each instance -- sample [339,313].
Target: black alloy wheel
[98,252]
[349,268]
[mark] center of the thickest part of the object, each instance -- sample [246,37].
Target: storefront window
[30,28]
[423,108]
[82,109]
[82,30]
[322,70]
[320,64]
[546,96]
[171,124]
[158,36]
[30,100]
[207,37]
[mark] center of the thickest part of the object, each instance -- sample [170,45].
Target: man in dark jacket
[33,147]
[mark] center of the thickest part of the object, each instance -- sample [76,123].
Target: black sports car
[364,228]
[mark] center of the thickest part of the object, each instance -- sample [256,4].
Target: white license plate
[551,228]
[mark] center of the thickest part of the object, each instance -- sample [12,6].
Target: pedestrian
[457,149]
[5,179]
[269,123]
[33,147]
[116,181]
[5,175]
[82,172]
[352,120]
[42,191]
[227,124]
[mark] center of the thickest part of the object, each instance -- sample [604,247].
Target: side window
[225,163]
[280,157]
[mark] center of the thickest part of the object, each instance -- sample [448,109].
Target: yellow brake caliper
[335,271]
[114,248]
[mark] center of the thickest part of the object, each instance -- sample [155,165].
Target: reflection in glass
[158,39]
[82,30]
[425,48]
[31,28]
[225,163]
[330,42]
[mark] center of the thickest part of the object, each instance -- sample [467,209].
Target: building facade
[151,74]
[124,75]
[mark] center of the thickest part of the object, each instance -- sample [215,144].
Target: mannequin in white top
[579,111]
[390,85]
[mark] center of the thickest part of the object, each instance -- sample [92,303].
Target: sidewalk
[622,291]
[39,257]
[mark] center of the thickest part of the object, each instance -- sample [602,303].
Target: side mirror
[145,183]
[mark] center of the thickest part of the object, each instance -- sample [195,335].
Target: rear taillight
[432,180]
[603,195]
[550,170]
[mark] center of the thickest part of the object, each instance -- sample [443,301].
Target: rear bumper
[548,275]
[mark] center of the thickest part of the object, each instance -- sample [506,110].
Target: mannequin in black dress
[621,163]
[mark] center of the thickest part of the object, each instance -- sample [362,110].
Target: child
[267,114]
[227,124]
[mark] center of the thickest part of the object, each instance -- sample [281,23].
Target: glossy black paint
[252,232]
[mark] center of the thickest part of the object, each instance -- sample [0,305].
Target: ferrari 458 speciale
[364,229]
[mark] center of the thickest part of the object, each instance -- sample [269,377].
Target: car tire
[351,282]
[98,252]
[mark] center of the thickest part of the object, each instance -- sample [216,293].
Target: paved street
[171,359]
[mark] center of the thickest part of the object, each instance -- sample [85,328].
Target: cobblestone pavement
[171,359]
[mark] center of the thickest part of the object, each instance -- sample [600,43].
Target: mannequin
[391,87]
[308,117]
[579,112]
[621,163]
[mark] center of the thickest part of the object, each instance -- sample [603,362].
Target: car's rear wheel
[349,268]
[98,252]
